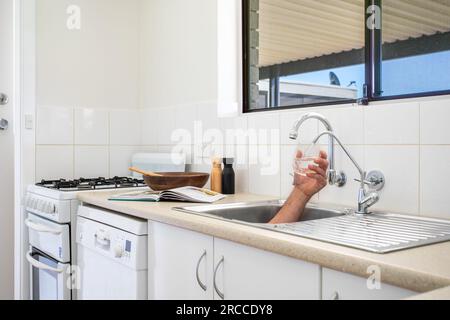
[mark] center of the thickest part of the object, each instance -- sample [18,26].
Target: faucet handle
[366,182]
[375,180]
[338,179]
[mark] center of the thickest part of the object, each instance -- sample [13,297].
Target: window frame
[373,68]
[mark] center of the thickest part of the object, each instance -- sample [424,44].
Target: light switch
[29,121]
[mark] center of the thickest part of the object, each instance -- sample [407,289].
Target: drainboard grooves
[379,233]
[343,237]
[386,231]
[413,223]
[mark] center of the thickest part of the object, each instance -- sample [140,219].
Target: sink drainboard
[379,233]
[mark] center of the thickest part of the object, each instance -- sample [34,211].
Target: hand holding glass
[301,164]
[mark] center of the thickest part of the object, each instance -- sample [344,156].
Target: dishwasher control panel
[119,245]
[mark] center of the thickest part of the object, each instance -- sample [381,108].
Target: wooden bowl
[172,180]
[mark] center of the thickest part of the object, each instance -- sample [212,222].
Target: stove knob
[118,250]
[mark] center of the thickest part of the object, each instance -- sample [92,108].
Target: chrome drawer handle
[221,295]
[200,283]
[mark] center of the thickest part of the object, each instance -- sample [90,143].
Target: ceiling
[293,30]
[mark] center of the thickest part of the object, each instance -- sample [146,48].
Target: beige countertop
[439,294]
[421,269]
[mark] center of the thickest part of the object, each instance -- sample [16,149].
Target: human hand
[314,181]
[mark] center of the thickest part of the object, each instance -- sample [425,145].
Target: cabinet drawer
[343,286]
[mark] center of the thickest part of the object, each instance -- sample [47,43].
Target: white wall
[94,67]
[87,88]
[178,52]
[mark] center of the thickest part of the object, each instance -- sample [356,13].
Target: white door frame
[24,141]
[17,98]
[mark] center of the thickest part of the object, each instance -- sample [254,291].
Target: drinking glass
[301,165]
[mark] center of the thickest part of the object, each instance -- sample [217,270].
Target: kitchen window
[300,53]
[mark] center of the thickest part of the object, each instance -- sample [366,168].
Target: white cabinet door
[342,286]
[180,264]
[249,273]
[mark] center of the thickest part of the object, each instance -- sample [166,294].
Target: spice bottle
[216,175]
[228,176]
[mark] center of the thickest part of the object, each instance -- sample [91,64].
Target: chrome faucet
[334,178]
[375,179]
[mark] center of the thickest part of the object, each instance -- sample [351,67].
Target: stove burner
[92,183]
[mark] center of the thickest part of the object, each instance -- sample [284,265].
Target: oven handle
[40,227]
[40,265]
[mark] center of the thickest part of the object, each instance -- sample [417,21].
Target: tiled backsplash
[408,141]
[82,142]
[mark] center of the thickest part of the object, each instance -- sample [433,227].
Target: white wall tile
[392,124]
[264,169]
[165,125]
[54,162]
[207,114]
[307,132]
[348,194]
[347,123]
[264,128]
[54,125]
[400,165]
[235,130]
[185,117]
[125,127]
[149,122]
[241,179]
[434,116]
[91,126]
[434,179]
[263,184]
[120,160]
[209,138]
[90,162]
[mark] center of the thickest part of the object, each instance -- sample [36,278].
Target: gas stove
[51,207]
[83,184]
[57,199]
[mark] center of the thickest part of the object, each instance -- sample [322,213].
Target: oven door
[50,279]
[49,237]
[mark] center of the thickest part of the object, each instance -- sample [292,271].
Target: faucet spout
[293,135]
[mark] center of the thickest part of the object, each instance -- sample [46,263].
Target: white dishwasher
[112,255]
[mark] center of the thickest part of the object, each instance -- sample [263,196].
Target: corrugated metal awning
[292,30]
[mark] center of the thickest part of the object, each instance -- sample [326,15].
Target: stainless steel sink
[257,212]
[379,233]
